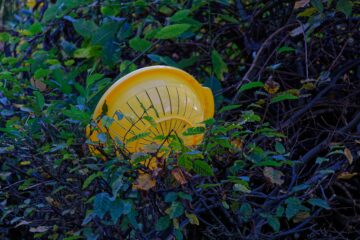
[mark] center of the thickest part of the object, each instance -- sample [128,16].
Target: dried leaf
[275,176]
[39,229]
[271,86]
[52,202]
[179,176]
[301,3]
[39,85]
[301,216]
[348,155]
[144,182]
[346,175]
[23,222]
[238,143]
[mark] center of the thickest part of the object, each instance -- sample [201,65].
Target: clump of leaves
[281,151]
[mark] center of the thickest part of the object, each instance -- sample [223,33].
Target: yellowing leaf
[308,12]
[301,3]
[346,175]
[30,3]
[192,218]
[348,155]
[275,176]
[144,182]
[25,163]
[271,86]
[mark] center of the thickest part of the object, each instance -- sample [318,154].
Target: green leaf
[101,137]
[106,121]
[194,131]
[229,108]
[4,37]
[150,120]
[202,168]
[285,49]
[219,65]
[85,28]
[180,15]
[318,5]
[246,212]
[172,31]
[102,204]
[241,188]
[187,62]
[40,100]
[162,224]
[251,85]
[176,210]
[284,96]
[274,223]
[91,79]
[320,160]
[214,84]
[77,114]
[293,207]
[185,162]
[344,6]
[170,197]
[40,73]
[139,44]
[91,178]
[116,209]
[88,52]
[162,59]
[138,136]
[279,148]
[319,202]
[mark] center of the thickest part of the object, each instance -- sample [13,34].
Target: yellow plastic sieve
[169,96]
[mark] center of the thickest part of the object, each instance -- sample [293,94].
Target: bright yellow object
[167,95]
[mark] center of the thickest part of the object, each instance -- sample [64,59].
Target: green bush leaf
[202,168]
[116,209]
[85,28]
[284,96]
[180,15]
[102,204]
[229,108]
[91,178]
[162,224]
[40,100]
[251,85]
[274,223]
[285,49]
[88,52]
[194,131]
[172,31]
[344,6]
[185,162]
[176,210]
[139,44]
[319,202]
[219,65]
[318,5]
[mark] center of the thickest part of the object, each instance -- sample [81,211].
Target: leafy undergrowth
[280,159]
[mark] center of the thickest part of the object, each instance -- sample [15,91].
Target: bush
[278,160]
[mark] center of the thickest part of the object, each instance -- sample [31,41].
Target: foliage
[280,156]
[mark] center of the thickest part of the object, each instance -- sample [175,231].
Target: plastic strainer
[169,96]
